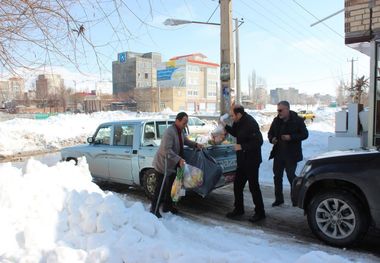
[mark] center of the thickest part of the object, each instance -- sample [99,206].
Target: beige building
[12,89]
[184,83]
[147,99]
[48,84]
[16,88]
[4,90]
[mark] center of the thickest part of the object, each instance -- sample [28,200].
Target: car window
[190,122]
[161,127]
[149,131]
[123,135]
[103,135]
[197,122]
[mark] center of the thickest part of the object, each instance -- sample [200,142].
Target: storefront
[362,32]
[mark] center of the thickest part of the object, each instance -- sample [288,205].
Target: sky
[276,40]
[56,214]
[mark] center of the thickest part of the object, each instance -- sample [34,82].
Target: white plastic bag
[192,176]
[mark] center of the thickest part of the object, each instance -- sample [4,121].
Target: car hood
[73,149]
[346,153]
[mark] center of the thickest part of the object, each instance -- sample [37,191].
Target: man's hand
[182,162]
[199,146]
[286,137]
[274,140]
[237,147]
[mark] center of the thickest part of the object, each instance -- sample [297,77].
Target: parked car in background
[123,151]
[306,115]
[198,126]
[339,192]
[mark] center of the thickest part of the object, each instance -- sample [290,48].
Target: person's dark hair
[181,115]
[284,103]
[238,109]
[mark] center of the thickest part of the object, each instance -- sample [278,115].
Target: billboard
[173,74]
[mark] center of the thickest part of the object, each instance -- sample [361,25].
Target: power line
[307,11]
[329,58]
[208,20]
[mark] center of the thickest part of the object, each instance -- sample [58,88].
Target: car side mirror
[203,124]
[90,140]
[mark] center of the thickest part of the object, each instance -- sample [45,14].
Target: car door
[122,155]
[153,132]
[97,155]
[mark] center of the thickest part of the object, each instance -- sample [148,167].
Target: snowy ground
[56,214]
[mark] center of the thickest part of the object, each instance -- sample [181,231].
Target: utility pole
[352,71]
[227,76]
[238,86]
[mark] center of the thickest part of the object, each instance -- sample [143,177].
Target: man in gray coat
[171,148]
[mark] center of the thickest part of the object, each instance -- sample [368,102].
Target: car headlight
[305,169]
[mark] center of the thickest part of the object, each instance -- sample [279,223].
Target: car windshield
[103,135]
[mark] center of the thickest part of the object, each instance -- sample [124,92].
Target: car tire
[149,182]
[337,218]
[68,159]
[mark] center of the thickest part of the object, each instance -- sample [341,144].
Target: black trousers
[279,166]
[252,176]
[165,196]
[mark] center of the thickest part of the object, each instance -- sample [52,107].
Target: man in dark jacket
[286,133]
[248,153]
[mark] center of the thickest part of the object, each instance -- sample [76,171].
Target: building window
[211,94]
[193,68]
[146,75]
[192,93]
[193,81]
[212,71]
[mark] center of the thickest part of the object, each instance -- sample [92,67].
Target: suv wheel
[149,182]
[337,218]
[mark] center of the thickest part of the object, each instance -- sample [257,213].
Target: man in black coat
[248,153]
[286,133]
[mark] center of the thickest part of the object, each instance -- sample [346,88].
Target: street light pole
[238,87]
[177,22]
[227,67]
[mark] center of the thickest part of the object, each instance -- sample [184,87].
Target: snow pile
[27,135]
[56,214]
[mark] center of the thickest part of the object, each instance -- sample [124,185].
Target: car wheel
[149,182]
[72,159]
[337,218]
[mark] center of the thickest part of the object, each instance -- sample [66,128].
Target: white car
[123,152]
[198,126]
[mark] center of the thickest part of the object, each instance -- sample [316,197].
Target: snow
[56,214]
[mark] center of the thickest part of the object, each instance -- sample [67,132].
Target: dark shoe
[277,203]
[171,209]
[234,214]
[257,217]
[156,214]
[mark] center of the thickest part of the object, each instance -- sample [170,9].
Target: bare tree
[341,97]
[36,33]
[359,90]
